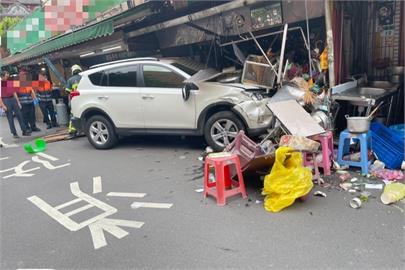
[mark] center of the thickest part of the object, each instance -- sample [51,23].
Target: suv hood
[209,75]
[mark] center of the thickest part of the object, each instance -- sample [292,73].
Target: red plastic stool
[326,140]
[223,186]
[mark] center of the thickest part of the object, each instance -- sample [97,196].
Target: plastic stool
[223,186]
[326,140]
[344,148]
[313,163]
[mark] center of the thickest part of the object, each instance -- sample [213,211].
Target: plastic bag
[392,193]
[287,181]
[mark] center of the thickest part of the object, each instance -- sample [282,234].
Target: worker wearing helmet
[71,86]
[73,81]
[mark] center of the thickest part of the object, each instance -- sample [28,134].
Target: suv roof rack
[125,60]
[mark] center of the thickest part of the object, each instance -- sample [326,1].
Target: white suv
[151,96]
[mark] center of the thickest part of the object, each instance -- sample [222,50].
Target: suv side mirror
[187,88]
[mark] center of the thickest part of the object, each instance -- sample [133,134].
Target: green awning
[88,33]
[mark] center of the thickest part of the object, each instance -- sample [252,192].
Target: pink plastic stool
[223,186]
[326,140]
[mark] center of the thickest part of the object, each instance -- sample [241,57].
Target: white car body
[163,110]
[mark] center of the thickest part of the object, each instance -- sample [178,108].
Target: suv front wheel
[221,129]
[100,132]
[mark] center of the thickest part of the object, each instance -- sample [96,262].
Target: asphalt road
[194,233]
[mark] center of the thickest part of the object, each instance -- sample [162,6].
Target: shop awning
[97,30]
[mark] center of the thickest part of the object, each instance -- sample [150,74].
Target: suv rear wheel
[221,129]
[100,132]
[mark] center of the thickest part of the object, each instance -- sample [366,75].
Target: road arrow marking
[126,194]
[110,225]
[97,188]
[136,205]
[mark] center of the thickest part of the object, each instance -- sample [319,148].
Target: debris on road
[320,194]
[40,146]
[374,186]
[355,203]
[58,136]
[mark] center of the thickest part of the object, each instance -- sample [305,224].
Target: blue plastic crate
[388,145]
[400,129]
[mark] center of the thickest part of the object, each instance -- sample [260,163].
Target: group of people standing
[19,97]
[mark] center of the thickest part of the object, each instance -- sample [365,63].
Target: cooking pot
[358,124]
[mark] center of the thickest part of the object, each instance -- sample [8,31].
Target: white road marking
[47,164]
[136,205]
[18,170]
[126,194]
[111,226]
[78,210]
[55,214]
[63,205]
[6,145]
[47,156]
[63,218]
[97,188]
[3,158]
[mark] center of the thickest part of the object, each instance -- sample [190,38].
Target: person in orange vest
[43,89]
[11,105]
[27,98]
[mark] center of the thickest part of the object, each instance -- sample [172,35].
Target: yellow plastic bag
[393,192]
[287,181]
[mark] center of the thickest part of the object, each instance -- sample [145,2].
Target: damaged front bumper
[256,114]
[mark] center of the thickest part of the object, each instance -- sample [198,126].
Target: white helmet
[76,67]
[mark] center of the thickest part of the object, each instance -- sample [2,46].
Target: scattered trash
[40,146]
[320,194]
[389,174]
[392,193]
[200,158]
[374,186]
[339,168]
[354,179]
[352,190]
[342,172]
[182,157]
[299,143]
[199,190]
[344,177]
[364,196]
[208,150]
[355,203]
[377,165]
[258,201]
[346,186]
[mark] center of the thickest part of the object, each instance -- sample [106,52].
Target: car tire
[218,139]
[100,132]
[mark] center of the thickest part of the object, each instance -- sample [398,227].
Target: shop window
[161,77]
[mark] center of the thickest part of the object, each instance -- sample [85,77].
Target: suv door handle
[103,97]
[148,97]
